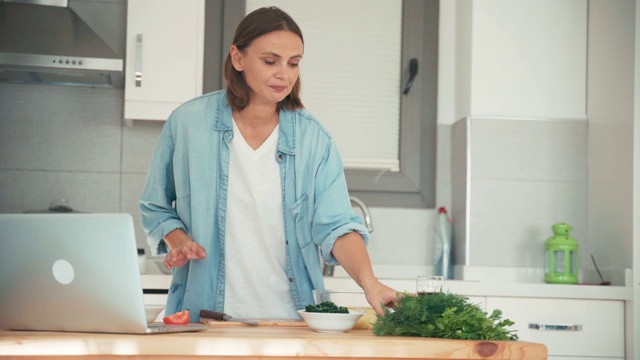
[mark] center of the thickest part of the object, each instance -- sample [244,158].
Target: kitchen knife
[216,315]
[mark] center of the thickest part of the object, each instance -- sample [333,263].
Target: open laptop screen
[70,272]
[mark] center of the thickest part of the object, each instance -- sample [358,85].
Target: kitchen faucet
[365,211]
[327,270]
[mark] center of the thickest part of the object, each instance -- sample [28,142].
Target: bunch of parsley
[443,315]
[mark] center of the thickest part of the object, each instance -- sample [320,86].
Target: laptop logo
[63,271]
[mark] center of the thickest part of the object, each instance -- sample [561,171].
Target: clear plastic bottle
[443,262]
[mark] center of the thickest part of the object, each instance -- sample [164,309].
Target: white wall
[526,65]
[520,178]
[610,109]
[512,59]
[520,83]
[634,327]
[528,58]
[613,57]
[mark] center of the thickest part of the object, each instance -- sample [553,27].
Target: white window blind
[350,74]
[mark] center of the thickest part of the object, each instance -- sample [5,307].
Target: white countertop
[466,288]
[503,289]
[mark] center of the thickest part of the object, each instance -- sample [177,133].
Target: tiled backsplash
[70,143]
[512,180]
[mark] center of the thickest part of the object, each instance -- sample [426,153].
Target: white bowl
[152,312]
[331,322]
[347,298]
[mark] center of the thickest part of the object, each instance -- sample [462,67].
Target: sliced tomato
[179,318]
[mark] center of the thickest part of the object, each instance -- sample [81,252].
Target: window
[403,174]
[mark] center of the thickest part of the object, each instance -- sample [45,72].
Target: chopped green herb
[327,307]
[443,315]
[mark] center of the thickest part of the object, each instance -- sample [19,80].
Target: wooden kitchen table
[265,342]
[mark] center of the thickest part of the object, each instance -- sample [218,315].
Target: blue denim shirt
[191,167]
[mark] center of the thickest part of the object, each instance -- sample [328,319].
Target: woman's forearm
[352,255]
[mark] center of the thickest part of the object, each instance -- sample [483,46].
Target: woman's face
[270,65]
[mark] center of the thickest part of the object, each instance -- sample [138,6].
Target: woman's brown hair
[257,23]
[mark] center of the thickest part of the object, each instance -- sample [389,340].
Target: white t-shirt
[256,282]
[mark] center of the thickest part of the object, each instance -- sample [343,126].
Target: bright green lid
[561,240]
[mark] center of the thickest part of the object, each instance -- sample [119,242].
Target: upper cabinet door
[165,44]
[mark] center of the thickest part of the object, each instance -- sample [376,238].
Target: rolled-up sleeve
[333,215]
[158,215]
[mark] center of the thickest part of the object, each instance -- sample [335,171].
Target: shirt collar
[286,134]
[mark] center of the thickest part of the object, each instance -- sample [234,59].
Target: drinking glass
[428,285]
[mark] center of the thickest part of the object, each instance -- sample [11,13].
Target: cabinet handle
[545,327]
[138,60]
[413,71]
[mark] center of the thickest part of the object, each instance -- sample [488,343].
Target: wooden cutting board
[279,323]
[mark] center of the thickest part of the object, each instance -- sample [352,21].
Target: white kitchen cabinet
[165,46]
[155,299]
[587,329]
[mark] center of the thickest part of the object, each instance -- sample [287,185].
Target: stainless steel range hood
[45,41]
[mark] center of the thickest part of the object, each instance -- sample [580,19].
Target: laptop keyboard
[159,328]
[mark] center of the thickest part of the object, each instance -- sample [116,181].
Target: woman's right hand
[182,249]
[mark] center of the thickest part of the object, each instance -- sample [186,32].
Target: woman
[246,190]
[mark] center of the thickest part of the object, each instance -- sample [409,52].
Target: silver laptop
[73,272]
